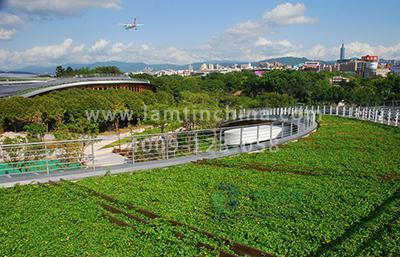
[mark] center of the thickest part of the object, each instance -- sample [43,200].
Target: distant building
[260,72]
[337,80]
[312,66]
[342,53]
[328,67]
[382,71]
[203,67]
[246,66]
[396,69]
[369,66]
[370,58]
[350,66]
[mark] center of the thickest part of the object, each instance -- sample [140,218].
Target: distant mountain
[139,66]
[15,73]
[288,60]
[38,69]
[124,66]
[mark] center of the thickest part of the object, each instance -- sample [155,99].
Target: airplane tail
[134,22]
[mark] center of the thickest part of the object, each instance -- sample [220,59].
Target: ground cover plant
[334,193]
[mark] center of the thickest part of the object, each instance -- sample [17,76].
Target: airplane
[133,25]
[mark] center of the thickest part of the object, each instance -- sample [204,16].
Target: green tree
[60,71]
[36,130]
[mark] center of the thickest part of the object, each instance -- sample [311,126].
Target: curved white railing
[276,126]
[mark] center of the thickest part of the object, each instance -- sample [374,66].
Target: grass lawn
[334,193]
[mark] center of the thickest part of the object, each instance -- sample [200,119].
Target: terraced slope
[336,192]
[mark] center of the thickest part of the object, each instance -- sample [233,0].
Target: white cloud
[100,44]
[7,34]
[8,19]
[101,50]
[69,52]
[250,39]
[61,7]
[118,48]
[267,43]
[180,56]
[28,10]
[248,28]
[288,14]
[3,56]
[8,22]
[353,49]
[245,41]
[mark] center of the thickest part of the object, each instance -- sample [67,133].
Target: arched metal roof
[32,89]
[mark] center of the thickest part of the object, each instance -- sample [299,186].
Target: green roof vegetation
[334,193]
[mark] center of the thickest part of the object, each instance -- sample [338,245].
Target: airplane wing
[124,24]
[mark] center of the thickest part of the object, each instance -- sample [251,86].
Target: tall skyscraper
[342,53]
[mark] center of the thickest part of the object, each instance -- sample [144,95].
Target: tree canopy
[88,111]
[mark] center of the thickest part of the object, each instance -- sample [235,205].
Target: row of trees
[304,87]
[85,71]
[66,112]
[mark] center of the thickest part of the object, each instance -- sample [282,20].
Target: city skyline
[50,33]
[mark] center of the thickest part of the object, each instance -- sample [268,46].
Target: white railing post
[344,111]
[337,110]
[47,158]
[396,118]
[270,133]
[298,125]
[363,113]
[330,110]
[220,141]
[258,134]
[383,116]
[291,128]
[241,137]
[389,116]
[133,149]
[166,146]
[307,119]
[196,143]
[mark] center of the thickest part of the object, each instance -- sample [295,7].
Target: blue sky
[49,32]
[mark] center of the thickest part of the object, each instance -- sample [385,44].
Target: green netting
[36,166]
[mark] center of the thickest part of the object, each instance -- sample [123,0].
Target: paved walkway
[105,157]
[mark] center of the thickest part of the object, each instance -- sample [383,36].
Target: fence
[45,157]
[272,130]
[275,126]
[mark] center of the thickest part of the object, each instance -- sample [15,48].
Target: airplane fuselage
[128,27]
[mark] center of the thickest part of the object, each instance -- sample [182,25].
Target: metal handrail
[294,122]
